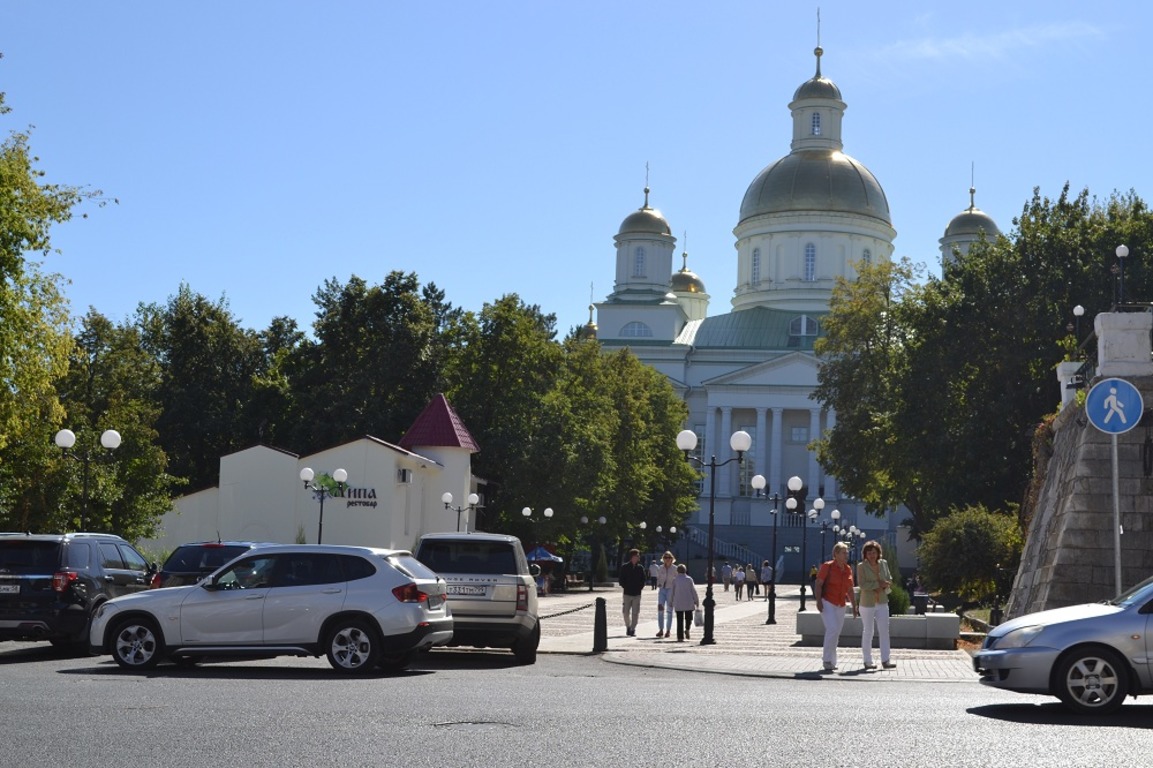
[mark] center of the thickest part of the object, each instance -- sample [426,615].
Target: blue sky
[259,148]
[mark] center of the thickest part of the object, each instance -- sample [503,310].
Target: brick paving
[745,644]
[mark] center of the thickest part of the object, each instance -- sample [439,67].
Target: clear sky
[258,148]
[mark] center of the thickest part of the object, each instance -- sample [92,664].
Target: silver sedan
[1090,656]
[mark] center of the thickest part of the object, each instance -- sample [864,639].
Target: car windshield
[202,559]
[471,556]
[1138,595]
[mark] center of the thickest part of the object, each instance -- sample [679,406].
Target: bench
[938,631]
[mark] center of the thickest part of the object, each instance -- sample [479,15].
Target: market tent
[542,555]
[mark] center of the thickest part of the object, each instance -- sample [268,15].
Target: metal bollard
[600,627]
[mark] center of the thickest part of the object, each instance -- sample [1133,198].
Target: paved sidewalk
[745,644]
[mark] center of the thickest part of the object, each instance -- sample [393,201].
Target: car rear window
[201,558]
[30,556]
[475,556]
[411,567]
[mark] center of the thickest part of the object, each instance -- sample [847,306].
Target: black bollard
[772,600]
[600,627]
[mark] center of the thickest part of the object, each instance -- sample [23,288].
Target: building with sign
[392,495]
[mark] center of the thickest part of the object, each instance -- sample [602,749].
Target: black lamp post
[65,439]
[593,539]
[740,442]
[322,488]
[1122,251]
[758,483]
[473,505]
[796,504]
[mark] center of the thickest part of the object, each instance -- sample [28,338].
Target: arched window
[639,262]
[636,330]
[816,123]
[810,262]
[867,256]
[802,331]
[756,278]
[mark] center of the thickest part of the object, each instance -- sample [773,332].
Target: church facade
[807,219]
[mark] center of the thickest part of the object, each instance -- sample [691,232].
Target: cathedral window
[756,266]
[816,123]
[639,262]
[867,256]
[802,332]
[810,262]
[636,330]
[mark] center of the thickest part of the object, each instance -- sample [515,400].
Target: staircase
[723,550]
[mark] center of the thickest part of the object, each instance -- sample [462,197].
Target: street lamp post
[740,441]
[592,545]
[322,488]
[1122,251]
[527,512]
[65,440]
[758,483]
[473,503]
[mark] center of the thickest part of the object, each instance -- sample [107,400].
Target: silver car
[1090,656]
[362,607]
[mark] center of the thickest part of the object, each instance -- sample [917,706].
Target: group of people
[676,595]
[835,588]
[747,580]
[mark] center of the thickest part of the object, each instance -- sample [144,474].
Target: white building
[805,220]
[392,495]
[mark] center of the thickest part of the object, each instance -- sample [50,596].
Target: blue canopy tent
[542,555]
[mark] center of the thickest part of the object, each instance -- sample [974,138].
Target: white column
[831,490]
[775,478]
[761,447]
[725,452]
[814,468]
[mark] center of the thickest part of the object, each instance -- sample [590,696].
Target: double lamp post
[740,442]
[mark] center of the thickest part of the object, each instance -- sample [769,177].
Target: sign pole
[1116,517]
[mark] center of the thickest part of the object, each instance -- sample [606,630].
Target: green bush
[972,553]
[898,598]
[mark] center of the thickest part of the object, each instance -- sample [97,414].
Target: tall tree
[375,362]
[207,366]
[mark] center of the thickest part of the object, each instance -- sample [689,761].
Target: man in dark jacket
[632,581]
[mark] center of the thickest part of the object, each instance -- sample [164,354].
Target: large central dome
[824,180]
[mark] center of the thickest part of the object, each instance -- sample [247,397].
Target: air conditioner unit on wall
[404,475]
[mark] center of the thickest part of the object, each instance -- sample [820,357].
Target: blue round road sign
[1114,406]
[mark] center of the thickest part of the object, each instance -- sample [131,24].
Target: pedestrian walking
[751,585]
[632,581]
[767,577]
[834,588]
[654,570]
[684,601]
[875,580]
[666,573]
[727,575]
[738,581]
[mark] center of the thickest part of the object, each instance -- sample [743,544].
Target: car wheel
[1092,681]
[525,650]
[136,644]
[395,662]
[353,647]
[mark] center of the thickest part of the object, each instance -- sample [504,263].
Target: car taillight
[522,598]
[62,579]
[408,593]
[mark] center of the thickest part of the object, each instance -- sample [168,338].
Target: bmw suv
[492,594]
[52,584]
[364,608]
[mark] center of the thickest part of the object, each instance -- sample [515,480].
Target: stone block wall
[1069,551]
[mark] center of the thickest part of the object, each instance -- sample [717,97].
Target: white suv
[362,607]
[493,596]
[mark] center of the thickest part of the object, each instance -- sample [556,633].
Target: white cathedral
[805,220]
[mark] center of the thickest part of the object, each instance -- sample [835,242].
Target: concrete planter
[938,631]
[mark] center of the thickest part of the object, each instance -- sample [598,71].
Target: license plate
[465,589]
[9,589]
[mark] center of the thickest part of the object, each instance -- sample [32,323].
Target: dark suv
[189,563]
[51,584]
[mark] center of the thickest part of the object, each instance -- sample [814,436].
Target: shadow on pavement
[1129,716]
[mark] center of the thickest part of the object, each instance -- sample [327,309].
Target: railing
[723,550]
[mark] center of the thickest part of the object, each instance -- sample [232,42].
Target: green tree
[971,552]
[112,383]
[35,337]
[207,372]
[375,363]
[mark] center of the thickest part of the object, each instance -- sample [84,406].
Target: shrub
[973,553]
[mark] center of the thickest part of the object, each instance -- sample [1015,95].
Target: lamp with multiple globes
[472,506]
[322,488]
[758,483]
[65,440]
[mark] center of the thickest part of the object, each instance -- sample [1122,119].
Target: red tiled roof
[438,426]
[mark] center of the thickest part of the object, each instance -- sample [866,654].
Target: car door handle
[254,597]
[332,591]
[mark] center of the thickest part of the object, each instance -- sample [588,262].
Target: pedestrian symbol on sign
[1114,406]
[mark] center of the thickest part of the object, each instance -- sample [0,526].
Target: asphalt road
[479,709]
